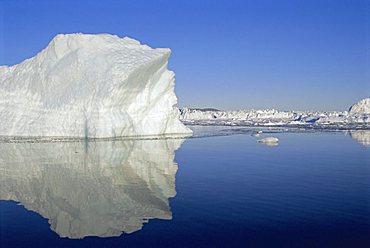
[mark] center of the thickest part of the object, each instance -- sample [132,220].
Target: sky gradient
[301,55]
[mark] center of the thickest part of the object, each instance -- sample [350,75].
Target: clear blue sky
[296,54]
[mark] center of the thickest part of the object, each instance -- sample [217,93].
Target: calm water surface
[312,190]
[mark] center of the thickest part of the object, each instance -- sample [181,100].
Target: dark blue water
[312,190]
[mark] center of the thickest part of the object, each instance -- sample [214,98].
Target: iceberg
[90,86]
[358,117]
[361,108]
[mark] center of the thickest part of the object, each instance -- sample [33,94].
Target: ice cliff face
[95,86]
[362,107]
[91,189]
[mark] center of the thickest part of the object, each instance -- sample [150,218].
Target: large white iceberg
[93,86]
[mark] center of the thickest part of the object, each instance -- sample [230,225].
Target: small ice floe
[257,133]
[269,141]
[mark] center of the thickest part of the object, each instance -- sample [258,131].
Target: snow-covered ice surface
[358,117]
[90,86]
[99,188]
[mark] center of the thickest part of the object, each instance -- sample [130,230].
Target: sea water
[312,189]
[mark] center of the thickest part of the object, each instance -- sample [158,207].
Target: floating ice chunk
[270,141]
[257,133]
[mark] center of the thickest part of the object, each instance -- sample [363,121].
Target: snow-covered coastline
[358,117]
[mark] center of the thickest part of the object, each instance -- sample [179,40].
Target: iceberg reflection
[361,136]
[91,189]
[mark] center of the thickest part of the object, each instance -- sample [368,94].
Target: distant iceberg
[357,117]
[95,86]
[362,107]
